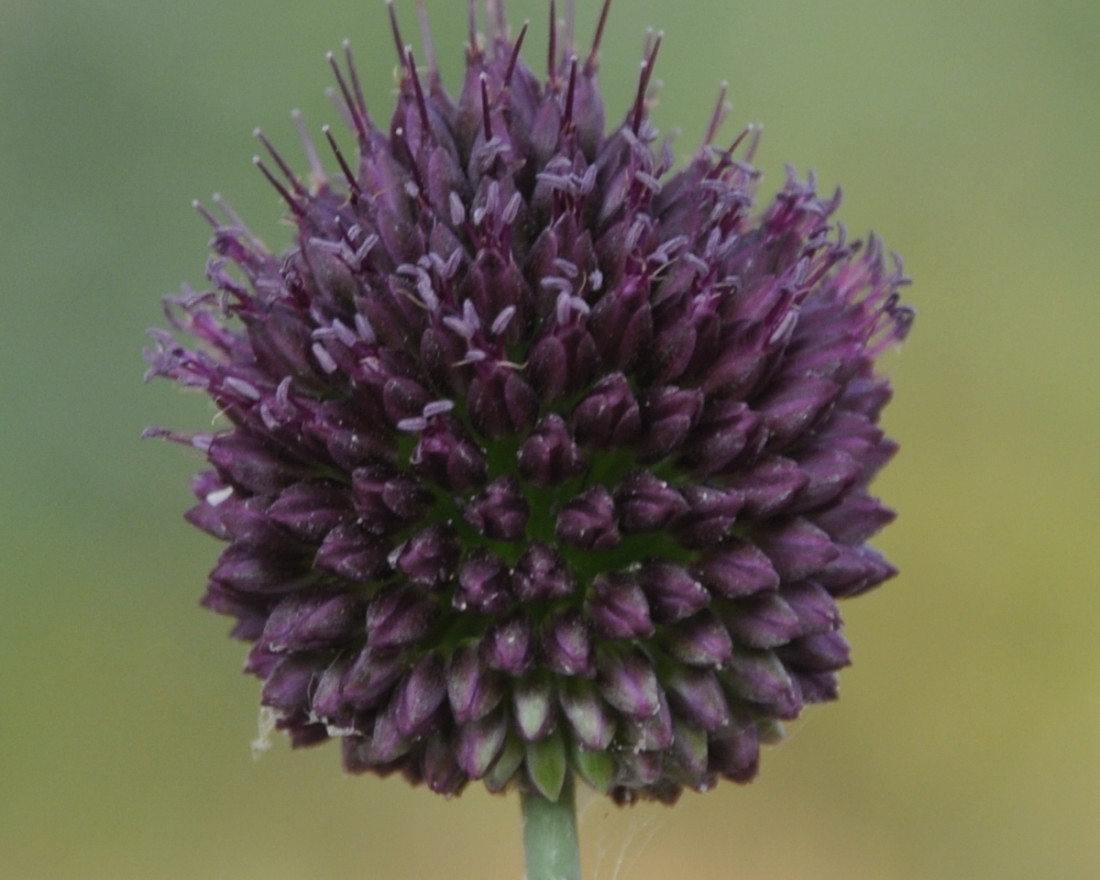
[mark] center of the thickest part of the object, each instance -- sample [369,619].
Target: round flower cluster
[541,457]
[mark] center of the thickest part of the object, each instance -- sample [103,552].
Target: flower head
[540,456]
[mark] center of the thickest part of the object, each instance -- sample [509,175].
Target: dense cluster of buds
[540,456]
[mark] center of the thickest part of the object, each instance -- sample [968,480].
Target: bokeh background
[967,740]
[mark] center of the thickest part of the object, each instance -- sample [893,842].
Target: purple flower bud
[797,549]
[689,751]
[420,695]
[771,486]
[668,415]
[762,621]
[508,645]
[814,607]
[829,473]
[710,515]
[248,463]
[500,511]
[854,519]
[735,753]
[327,702]
[371,677]
[817,687]
[473,689]
[503,404]
[484,584]
[566,644]
[480,743]
[651,734]
[404,399]
[726,430]
[619,608]
[387,743]
[429,557]
[671,592]
[792,409]
[609,416]
[310,623]
[243,572]
[541,575]
[442,770]
[288,686]
[627,681]
[696,695]
[702,640]
[760,678]
[448,459]
[821,652]
[854,570]
[647,504]
[310,509]
[591,720]
[352,553]
[735,570]
[533,703]
[399,616]
[588,521]
[549,456]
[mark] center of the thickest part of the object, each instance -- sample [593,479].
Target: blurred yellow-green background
[967,740]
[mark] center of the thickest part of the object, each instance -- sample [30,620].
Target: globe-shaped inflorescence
[540,457]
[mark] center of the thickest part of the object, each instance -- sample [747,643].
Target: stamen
[593,61]
[357,88]
[410,63]
[279,188]
[398,42]
[358,115]
[515,54]
[288,172]
[327,131]
[567,116]
[643,82]
[721,110]
[206,215]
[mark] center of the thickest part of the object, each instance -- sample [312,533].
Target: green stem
[550,835]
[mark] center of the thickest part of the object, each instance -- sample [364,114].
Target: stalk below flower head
[541,456]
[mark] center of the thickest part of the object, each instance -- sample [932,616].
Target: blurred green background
[967,740]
